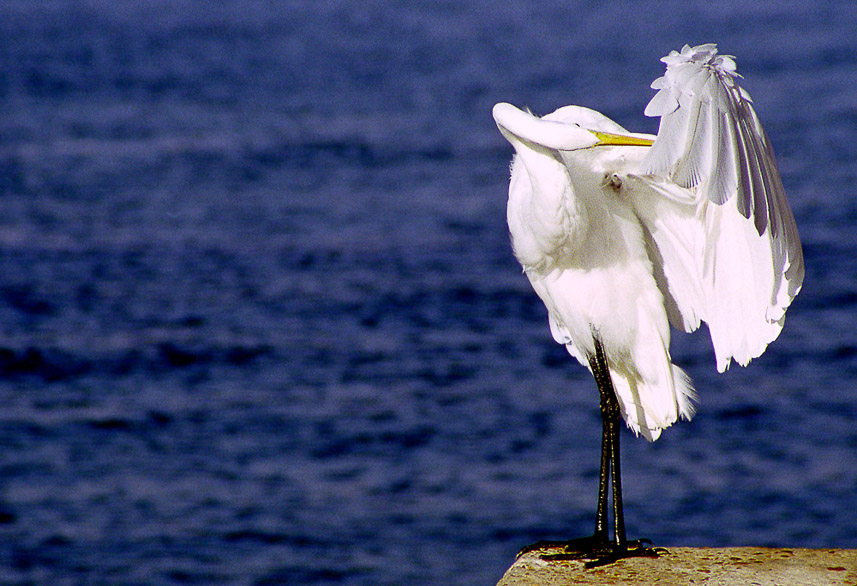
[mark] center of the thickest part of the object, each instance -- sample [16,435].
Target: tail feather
[649,407]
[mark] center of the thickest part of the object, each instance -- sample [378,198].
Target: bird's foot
[594,552]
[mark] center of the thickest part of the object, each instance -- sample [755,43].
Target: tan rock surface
[699,565]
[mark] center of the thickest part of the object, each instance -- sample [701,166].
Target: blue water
[260,322]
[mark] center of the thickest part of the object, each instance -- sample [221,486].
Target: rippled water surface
[260,321]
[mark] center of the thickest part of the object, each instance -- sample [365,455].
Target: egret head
[521,127]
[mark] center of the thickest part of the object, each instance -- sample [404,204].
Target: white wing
[722,236]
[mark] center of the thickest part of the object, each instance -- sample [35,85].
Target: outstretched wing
[722,236]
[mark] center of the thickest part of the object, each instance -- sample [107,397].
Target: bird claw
[592,552]
[613,181]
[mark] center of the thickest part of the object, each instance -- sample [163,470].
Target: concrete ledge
[724,566]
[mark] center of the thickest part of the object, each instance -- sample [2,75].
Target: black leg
[610,418]
[601,535]
[598,550]
[618,509]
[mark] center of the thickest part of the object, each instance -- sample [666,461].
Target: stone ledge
[724,566]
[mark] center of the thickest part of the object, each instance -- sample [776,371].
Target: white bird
[623,235]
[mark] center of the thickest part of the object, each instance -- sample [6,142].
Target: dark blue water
[260,322]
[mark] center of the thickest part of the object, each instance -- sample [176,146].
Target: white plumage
[623,235]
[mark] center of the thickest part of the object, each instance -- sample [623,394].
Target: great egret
[623,235]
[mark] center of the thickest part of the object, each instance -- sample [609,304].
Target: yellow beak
[607,139]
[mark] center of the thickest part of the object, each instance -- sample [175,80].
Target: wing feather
[721,235]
